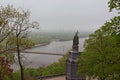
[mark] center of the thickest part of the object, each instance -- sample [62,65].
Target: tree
[14,28]
[6,28]
[101,57]
[114,4]
[21,29]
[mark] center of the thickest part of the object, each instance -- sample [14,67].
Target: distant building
[71,64]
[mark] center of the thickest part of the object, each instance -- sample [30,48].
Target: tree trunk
[19,60]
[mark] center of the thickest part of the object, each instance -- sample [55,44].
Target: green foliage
[55,68]
[28,76]
[114,4]
[6,14]
[52,69]
[10,43]
[101,56]
[33,72]
[16,75]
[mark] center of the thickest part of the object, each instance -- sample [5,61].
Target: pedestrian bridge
[45,53]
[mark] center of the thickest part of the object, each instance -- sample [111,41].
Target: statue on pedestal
[71,62]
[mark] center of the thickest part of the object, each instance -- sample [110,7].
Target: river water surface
[37,60]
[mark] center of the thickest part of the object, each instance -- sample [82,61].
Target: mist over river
[37,60]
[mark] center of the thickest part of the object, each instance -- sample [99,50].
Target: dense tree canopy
[101,56]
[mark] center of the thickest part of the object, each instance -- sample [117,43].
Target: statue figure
[75,42]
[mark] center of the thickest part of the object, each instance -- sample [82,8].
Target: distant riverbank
[47,37]
[42,44]
[51,40]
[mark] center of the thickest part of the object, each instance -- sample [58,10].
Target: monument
[71,62]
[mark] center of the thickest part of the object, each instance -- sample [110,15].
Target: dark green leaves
[101,57]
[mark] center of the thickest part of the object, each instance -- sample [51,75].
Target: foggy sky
[64,15]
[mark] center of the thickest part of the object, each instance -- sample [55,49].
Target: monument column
[71,62]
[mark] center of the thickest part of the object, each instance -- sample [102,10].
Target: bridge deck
[46,53]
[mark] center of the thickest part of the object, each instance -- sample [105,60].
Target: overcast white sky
[63,15]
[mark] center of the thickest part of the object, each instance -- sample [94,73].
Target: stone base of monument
[72,66]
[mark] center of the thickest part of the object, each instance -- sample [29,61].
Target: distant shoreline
[46,43]
[41,44]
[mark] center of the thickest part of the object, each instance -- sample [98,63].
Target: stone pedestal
[72,66]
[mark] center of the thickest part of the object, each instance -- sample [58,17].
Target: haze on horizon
[66,15]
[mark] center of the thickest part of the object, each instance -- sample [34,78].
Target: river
[37,60]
